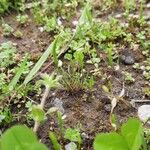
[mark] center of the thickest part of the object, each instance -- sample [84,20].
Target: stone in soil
[127,58]
[59,104]
[71,146]
[144,113]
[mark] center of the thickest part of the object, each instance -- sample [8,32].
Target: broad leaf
[133,133]
[37,146]
[20,138]
[38,113]
[110,141]
[17,137]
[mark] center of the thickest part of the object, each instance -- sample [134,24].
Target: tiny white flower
[60,63]
[75,22]
[41,29]
[59,22]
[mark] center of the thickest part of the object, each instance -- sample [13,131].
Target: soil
[90,109]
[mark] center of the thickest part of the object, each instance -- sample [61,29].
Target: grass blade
[20,71]
[41,61]
[56,145]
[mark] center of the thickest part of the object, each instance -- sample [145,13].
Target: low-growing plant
[60,123]
[129,5]
[18,34]
[73,135]
[75,81]
[5,116]
[128,77]
[22,19]
[4,5]
[50,24]
[38,110]
[131,137]
[53,138]
[20,137]
[7,29]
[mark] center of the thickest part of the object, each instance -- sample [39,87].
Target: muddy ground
[91,109]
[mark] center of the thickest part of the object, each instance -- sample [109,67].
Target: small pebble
[144,113]
[41,29]
[59,104]
[107,107]
[127,58]
[71,146]
[118,16]
[75,22]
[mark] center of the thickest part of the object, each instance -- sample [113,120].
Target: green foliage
[132,131]
[53,138]
[60,122]
[79,58]
[38,113]
[130,5]
[130,138]
[20,137]
[19,72]
[7,29]
[4,5]
[109,141]
[5,116]
[50,81]
[53,50]
[128,77]
[73,135]
[50,24]
[22,19]
[110,54]
[74,80]
[7,54]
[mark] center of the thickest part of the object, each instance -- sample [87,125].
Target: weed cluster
[78,55]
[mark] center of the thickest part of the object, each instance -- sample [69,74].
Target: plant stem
[43,100]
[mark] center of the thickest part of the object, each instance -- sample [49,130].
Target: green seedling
[110,54]
[4,5]
[53,138]
[5,116]
[74,136]
[22,19]
[60,122]
[50,24]
[129,5]
[38,113]
[79,59]
[131,137]
[18,34]
[128,77]
[7,29]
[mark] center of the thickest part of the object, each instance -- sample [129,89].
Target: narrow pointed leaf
[41,61]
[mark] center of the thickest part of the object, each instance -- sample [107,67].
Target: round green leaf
[109,141]
[18,138]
